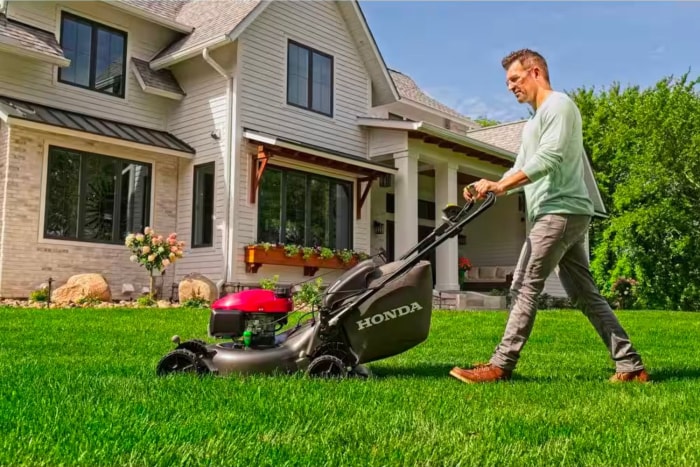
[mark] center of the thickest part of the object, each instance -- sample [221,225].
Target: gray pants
[559,240]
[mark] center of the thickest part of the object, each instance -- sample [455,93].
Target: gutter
[230,170]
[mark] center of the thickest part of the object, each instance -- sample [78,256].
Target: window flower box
[311,259]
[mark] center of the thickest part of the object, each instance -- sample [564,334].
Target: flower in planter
[464,264]
[154,252]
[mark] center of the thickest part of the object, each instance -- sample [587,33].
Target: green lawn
[77,387]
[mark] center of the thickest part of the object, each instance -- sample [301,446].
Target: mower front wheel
[327,366]
[180,361]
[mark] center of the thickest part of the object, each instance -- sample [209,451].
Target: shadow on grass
[417,371]
[667,374]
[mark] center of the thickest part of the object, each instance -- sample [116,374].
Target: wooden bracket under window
[361,195]
[257,170]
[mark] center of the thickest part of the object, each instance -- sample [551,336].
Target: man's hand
[480,188]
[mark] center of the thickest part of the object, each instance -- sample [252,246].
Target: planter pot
[256,256]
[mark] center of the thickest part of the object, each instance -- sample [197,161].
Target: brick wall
[4,142]
[29,260]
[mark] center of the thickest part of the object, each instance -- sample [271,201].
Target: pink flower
[172,241]
[173,249]
[147,231]
[166,263]
[146,249]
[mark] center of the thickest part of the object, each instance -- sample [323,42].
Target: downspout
[229,171]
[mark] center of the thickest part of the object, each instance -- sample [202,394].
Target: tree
[484,121]
[644,147]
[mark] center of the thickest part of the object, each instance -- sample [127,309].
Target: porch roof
[314,154]
[42,117]
[433,134]
[20,38]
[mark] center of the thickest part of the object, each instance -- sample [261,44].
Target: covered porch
[433,166]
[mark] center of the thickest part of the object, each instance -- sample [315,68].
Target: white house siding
[387,142]
[247,218]
[202,112]
[29,260]
[36,81]
[263,61]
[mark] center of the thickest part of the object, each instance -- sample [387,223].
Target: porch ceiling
[459,148]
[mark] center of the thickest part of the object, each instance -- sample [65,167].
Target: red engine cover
[254,301]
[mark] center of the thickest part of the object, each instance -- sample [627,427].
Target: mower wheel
[198,346]
[327,366]
[179,361]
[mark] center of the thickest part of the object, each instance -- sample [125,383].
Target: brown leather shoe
[622,377]
[481,373]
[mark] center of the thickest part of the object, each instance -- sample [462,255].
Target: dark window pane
[298,75]
[295,225]
[203,215]
[315,210]
[63,195]
[135,198]
[76,40]
[95,198]
[269,206]
[109,64]
[99,198]
[322,87]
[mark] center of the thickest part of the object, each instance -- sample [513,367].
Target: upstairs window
[97,54]
[309,79]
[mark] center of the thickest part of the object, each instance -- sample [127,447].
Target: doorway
[423,231]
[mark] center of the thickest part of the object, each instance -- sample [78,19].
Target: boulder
[82,286]
[196,285]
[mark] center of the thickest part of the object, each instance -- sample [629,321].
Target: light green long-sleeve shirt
[551,155]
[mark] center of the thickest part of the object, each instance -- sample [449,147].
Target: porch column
[405,202]
[447,254]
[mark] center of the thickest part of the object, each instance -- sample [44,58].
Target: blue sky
[453,49]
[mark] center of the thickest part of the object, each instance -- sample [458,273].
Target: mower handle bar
[450,228]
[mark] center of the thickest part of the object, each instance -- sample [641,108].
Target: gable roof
[409,90]
[506,135]
[163,12]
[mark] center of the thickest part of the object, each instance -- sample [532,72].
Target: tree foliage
[485,121]
[644,146]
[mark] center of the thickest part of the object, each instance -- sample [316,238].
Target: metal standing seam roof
[97,126]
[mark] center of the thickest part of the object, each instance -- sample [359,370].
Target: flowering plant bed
[310,258]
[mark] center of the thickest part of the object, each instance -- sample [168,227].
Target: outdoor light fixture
[378,228]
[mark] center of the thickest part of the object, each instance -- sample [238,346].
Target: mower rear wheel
[179,361]
[327,366]
[198,346]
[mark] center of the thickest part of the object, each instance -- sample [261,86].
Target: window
[95,198]
[304,209]
[97,54]
[309,79]
[203,206]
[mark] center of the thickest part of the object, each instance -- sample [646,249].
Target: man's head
[526,74]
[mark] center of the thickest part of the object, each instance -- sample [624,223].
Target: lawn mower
[374,310]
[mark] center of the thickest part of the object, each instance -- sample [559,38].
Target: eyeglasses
[518,79]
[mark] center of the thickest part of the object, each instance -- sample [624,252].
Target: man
[549,168]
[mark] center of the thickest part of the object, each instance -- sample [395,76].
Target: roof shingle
[166,9]
[210,19]
[506,135]
[160,79]
[28,37]
[408,89]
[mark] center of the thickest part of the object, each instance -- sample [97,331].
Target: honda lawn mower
[372,311]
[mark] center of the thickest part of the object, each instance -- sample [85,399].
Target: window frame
[310,65]
[307,219]
[81,215]
[203,165]
[95,27]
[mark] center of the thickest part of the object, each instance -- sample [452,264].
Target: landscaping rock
[82,287]
[196,285]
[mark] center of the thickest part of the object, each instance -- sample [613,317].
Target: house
[231,123]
